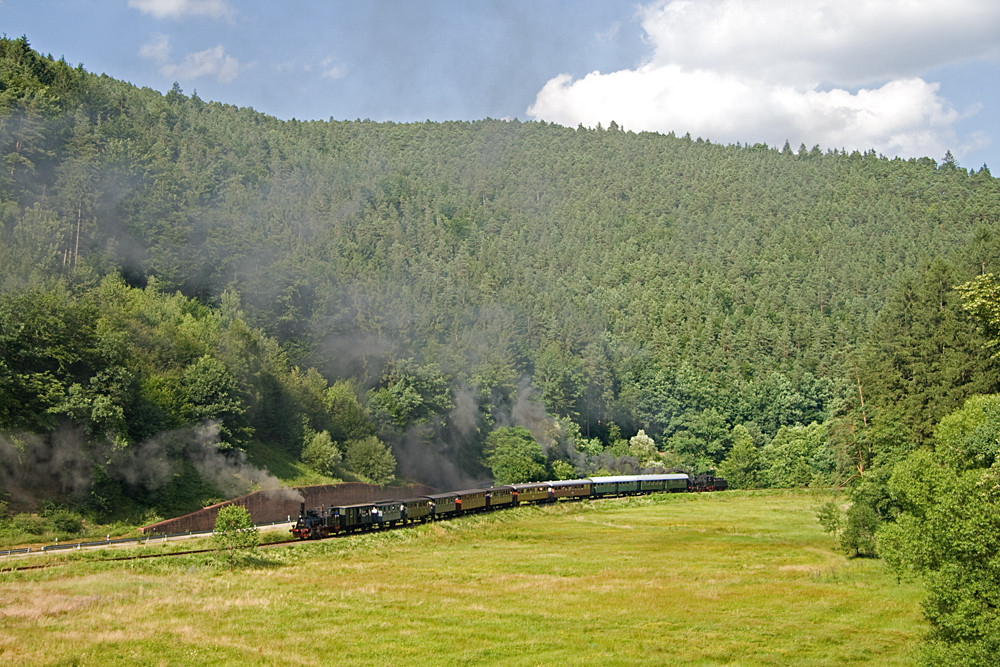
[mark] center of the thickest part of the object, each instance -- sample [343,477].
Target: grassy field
[736,578]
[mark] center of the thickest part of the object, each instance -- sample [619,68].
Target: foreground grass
[734,578]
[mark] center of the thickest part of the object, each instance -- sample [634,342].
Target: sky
[907,78]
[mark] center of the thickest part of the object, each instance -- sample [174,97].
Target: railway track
[189,552]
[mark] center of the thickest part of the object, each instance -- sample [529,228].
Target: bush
[831,517]
[29,524]
[859,532]
[65,522]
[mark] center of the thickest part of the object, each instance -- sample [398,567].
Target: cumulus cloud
[157,48]
[331,70]
[840,73]
[841,42]
[210,62]
[177,8]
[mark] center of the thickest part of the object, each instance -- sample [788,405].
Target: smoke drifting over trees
[168,263]
[35,467]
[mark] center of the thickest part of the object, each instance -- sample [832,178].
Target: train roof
[465,492]
[368,505]
[638,478]
[634,478]
[441,496]
[568,482]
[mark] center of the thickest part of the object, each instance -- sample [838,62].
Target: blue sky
[905,77]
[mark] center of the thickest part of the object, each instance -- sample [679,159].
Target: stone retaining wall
[274,505]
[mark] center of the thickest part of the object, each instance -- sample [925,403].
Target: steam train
[324,522]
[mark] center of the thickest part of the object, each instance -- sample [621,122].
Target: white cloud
[331,70]
[334,72]
[176,8]
[842,42]
[611,34]
[770,70]
[157,48]
[210,62]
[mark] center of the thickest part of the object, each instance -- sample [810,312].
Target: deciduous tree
[949,533]
[234,532]
[371,460]
[512,455]
[741,468]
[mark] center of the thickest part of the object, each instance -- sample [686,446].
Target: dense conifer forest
[197,298]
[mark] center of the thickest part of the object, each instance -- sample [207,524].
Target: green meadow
[734,578]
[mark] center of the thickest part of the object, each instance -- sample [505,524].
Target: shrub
[28,524]
[64,521]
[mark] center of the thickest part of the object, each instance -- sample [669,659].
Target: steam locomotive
[324,522]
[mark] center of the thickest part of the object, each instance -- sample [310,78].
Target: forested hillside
[446,280]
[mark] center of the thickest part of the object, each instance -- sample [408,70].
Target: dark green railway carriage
[416,509]
[350,517]
[617,485]
[650,483]
[388,512]
[675,482]
[444,504]
[621,485]
[604,486]
[628,484]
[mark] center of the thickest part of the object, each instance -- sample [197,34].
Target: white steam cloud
[152,463]
[35,467]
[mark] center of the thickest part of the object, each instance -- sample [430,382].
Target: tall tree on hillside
[949,533]
[512,455]
[75,183]
[982,298]
[27,106]
[741,467]
[923,360]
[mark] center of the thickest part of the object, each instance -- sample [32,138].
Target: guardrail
[124,540]
[80,545]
